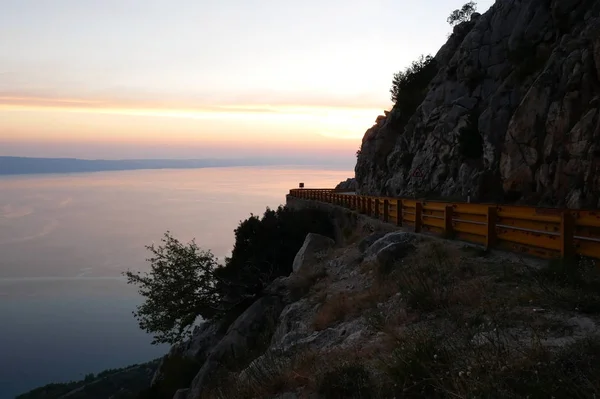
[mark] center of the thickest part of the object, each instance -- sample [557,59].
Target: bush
[179,287]
[463,14]
[265,249]
[410,86]
[186,282]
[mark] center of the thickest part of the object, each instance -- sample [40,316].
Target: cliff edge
[510,116]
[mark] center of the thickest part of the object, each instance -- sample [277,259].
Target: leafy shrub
[265,249]
[186,282]
[410,86]
[179,287]
[463,14]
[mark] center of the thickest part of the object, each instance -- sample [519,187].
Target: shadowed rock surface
[512,114]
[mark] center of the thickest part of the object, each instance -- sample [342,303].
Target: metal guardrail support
[448,211]
[386,210]
[491,219]
[418,218]
[399,212]
[567,232]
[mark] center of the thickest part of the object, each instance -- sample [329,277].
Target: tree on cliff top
[464,14]
[410,85]
[179,287]
[185,282]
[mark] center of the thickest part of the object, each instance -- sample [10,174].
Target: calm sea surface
[65,309]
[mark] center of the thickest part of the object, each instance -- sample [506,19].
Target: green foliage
[410,86]
[463,14]
[265,249]
[347,382]
[179,287]
[185,282]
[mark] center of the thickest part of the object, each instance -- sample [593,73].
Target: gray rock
[583,324]
[521,78]
[369,240]
[313,244]
[181,394]
[390,254]
[348,185]
[205,337]
[398,237]
[250,331]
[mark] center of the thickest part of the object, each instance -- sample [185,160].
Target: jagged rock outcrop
[347,185]
[313,245]
[512,114]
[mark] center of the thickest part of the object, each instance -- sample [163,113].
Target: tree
[265,249]
[463,14]
[180,286]
[410,86]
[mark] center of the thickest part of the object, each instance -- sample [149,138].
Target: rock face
[512,114]
[347,185]
[313,244]
[244,337]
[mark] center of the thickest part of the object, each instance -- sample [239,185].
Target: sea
[66,239]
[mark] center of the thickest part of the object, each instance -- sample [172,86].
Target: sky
[121,79]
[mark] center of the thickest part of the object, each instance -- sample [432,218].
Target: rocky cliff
[512,114]
[380,313]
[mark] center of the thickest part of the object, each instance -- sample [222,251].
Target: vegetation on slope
[186,282]
[447,322]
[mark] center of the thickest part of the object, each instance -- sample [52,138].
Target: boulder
[390,254]
[246,338]
[400,238]
[308,253]
[369,240]
[181,394]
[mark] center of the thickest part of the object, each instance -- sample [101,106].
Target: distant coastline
[27,166]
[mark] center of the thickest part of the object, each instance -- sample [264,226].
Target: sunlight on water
[66,239]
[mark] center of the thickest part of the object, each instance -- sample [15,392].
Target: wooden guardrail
[542,232]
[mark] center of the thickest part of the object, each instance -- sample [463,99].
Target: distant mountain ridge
[24,165]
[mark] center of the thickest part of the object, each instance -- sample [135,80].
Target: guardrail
[542,232]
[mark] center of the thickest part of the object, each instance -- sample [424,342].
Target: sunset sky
[204,78]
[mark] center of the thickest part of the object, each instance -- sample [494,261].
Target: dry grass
[454,326]
[308,371]
[347,305]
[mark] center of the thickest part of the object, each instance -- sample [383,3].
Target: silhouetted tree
[179,287]
[410,85]
[463,14]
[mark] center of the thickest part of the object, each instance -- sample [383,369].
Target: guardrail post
[418,220]
[377,208]
[490,222]
[386,210]
[369,206]
[399,212]
[448,221]
[567,232]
